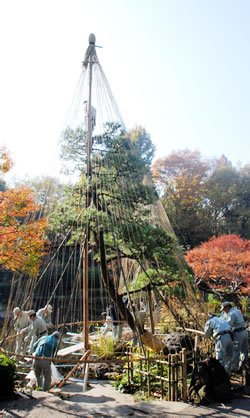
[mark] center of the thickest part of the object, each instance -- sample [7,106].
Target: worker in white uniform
[36,329]
[21,321]
[240,335]
[221,331]
[45,313]
[108,326]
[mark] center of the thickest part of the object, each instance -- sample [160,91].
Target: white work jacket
[46,317]
[22,321]
[215,326]
[235,318]
[37,327]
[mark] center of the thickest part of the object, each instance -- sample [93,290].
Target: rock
[210,383]
[104,370]
[176,342]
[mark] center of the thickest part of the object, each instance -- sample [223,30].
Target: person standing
[45,313]
[221,331]
[108,324]
[46,346]
[115,317]
[140,319]
[240,335]
[36,329]
[21,321]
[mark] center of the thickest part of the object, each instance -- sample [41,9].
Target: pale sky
[179,68]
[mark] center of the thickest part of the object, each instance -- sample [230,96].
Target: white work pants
[224,351]
[20,344]
[240,348]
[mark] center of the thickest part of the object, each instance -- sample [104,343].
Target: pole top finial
[92,38]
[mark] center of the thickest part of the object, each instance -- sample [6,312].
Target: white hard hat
[16,310]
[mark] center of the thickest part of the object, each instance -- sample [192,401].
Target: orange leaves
[222,262]
[16,202]
[21,234]
[5,161]
[231,243]
[21,231]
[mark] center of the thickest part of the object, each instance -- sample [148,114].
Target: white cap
[49,308]
[31,312]
[16,310]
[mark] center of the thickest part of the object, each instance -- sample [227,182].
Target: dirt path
[102,400]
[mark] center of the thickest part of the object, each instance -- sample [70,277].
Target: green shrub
[7,377]
[213,303]
[139,382]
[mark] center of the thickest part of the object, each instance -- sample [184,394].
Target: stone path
[102,400]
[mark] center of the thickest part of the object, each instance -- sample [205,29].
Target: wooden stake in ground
[86,377]
[84,357]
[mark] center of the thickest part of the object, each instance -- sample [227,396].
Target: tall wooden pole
[88,175]
[150,305]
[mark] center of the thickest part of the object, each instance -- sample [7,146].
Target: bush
[139,384]
[7,377]
[104,347]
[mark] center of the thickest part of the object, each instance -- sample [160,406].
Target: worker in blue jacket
[221,331]
[45,347]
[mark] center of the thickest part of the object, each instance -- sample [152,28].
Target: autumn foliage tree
[181,178]
[222,265]
[203,197]
[22,239]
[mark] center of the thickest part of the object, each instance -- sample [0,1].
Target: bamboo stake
[86,377]
[184,374]
[129,371]
[62,383]
[151,310]
[162,384]
[169,378]
[175,377]
[148,377]
[141,381]
[177,367]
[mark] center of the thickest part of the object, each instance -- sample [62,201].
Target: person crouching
[45,347]
[35,330]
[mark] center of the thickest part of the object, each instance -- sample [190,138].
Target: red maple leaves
[222,263]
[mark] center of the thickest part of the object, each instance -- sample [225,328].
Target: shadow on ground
[102,400]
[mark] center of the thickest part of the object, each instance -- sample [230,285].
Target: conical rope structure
[109,237]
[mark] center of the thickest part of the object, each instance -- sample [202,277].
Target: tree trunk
[109,285]
[147,338]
